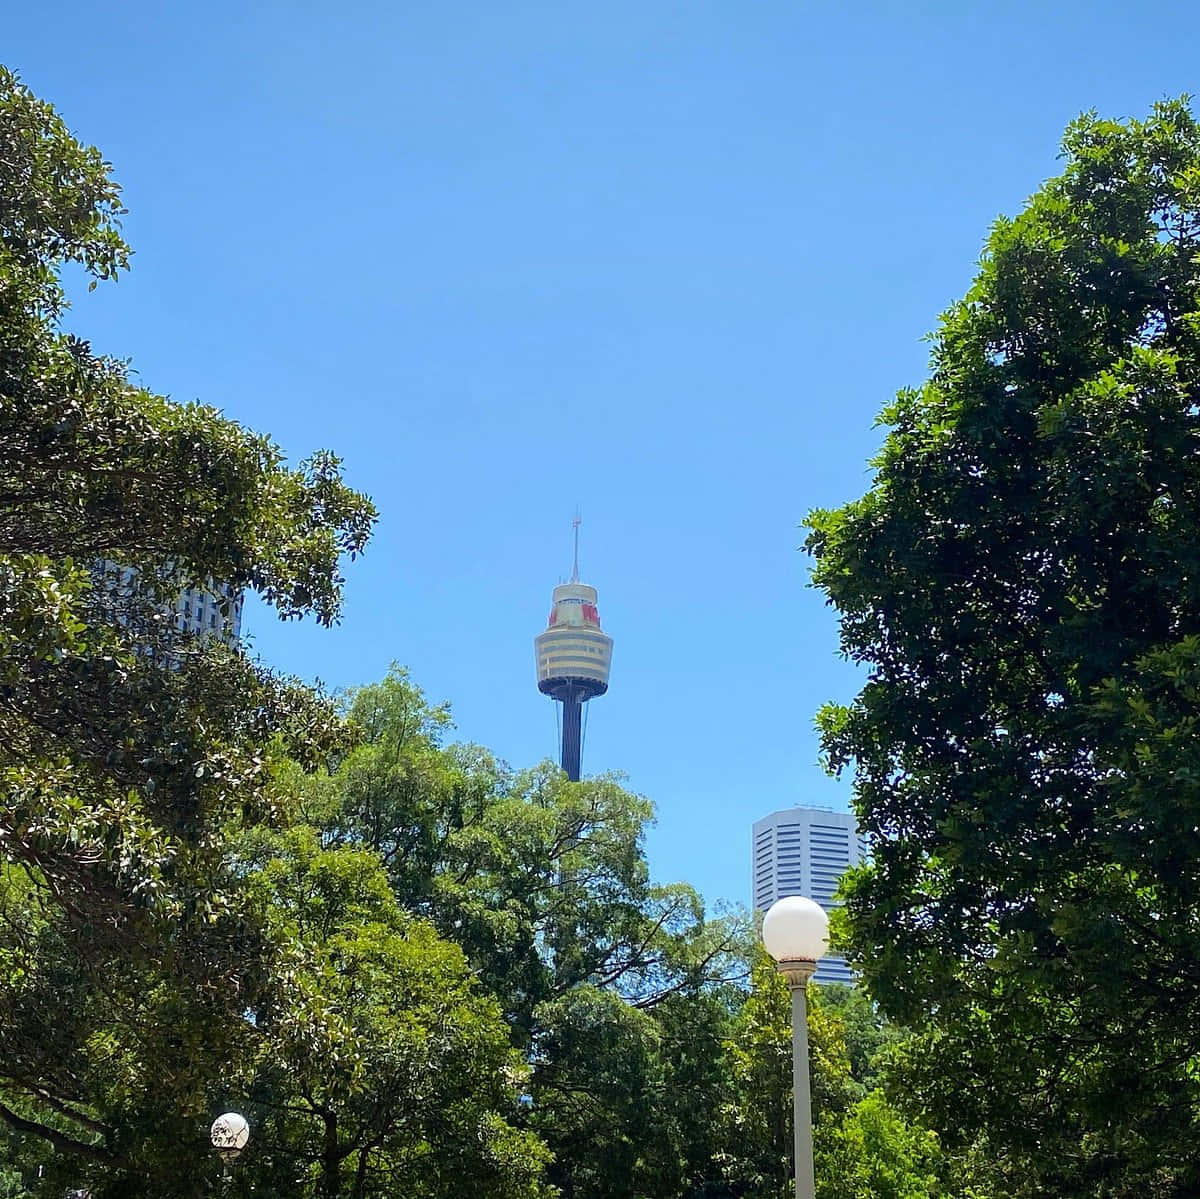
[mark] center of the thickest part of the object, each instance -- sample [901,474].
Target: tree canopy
[603,976]
[1022,584]
[656,1037]
[155,966]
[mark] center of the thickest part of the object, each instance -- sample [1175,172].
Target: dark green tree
[134,762]
[379,1067]
[868,1035]
[1022,585]
[174,940]
[106,758]
[617,990]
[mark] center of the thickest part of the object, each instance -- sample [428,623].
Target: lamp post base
[797,971]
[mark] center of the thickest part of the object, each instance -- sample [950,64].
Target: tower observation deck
[573,658]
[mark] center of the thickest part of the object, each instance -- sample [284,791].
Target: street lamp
[795,932]
[229,1135]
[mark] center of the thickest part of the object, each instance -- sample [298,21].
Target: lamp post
[229,1135]
[795,932]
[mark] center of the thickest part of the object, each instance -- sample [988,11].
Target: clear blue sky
[665,260]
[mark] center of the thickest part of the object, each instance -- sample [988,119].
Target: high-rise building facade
[805,851]
[212,611]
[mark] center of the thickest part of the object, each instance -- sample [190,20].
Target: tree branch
[60,1140]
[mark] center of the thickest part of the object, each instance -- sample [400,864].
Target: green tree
[616,990]
[863,1146]
[174,940]
[126,959]
[380,1067]
[868,1034]
[106,758]
[875,1153]
[1022,583]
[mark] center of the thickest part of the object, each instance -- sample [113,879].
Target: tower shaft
[572,737]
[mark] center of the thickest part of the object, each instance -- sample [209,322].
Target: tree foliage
[110,763]
[157,963]
[380,1066]
[1022,582]
[615,989]
[654,1072]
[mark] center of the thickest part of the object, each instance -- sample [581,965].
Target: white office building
[805,851]
[213,611]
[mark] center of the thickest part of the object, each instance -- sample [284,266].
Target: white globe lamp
[796,929]
[230,1133]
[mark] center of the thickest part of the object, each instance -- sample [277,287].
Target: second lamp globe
[795,929]
[230,1134]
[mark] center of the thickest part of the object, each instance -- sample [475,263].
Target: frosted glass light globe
[795,929]
[229,1134]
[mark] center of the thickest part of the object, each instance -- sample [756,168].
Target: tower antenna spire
[575,567]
